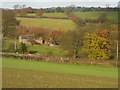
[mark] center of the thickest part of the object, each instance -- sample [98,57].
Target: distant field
[47,23]
[113,16]
[60,15]
[27,74]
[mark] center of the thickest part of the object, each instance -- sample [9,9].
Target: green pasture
[113,16]
[80,69]
[55,24]
[47,50]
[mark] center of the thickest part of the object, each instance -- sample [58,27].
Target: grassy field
[47,50]
[101,71]
[56,24]
[60,15]
[113,16]
[41,49]
[22,73]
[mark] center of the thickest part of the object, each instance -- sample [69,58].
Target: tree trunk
[75,54]
[15,45]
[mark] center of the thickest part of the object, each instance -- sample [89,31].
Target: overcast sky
[56,3]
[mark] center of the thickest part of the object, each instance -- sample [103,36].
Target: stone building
[26,38]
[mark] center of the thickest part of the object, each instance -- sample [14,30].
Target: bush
[32,52]
[23,48]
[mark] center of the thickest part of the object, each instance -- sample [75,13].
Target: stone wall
[62,60]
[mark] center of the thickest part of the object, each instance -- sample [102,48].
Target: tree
[59,9]
[9,23]
[39,32]
[22,30]
[16,8]
[29,10]
[102,33]
[96,47]
[110,32]
[72,41]
[54,36]
[39,12]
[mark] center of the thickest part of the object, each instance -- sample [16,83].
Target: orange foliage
[102,33]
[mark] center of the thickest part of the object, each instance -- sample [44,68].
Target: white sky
[56,3]
[59,0]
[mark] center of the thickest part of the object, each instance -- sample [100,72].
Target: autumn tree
[39,32]
[110,32]
[29,9]
[39,12]
[54,36]
[22,30]
[96,47]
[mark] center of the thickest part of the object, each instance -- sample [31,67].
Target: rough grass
[56,24]
[113,16]
[21,78]
[92,70]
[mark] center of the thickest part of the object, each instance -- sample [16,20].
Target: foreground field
[21,78]
[101,71]
[32,74]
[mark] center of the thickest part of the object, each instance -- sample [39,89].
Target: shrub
[23,48]
[32,52]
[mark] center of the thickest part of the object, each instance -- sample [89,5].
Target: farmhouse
[26,38]
[30,39]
